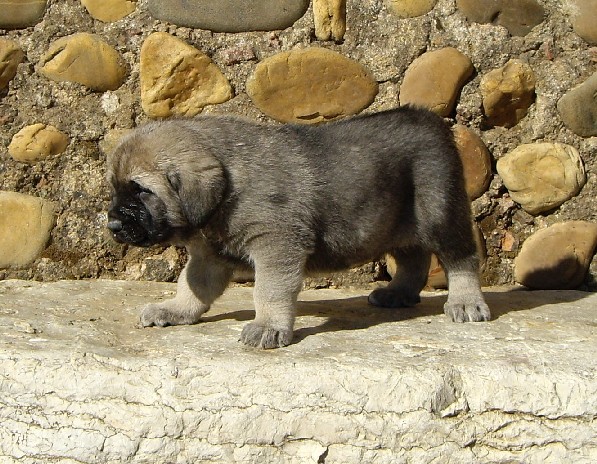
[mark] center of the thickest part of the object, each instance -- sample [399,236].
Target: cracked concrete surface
[81,383]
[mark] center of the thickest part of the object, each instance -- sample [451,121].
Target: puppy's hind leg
[410,278]
[203,279]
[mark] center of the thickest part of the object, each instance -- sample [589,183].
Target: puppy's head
[165,185]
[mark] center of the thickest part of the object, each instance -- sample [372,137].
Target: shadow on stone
[355,313]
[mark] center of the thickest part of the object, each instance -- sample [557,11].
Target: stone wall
[516,78]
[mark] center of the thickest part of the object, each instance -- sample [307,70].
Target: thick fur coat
[290,200]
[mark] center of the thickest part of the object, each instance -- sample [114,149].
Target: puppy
[288,200]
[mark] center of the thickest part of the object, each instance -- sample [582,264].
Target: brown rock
[17,14]
[109,10]
[476,161]
[310,86]
[10,57]
[578,108]
[330,19]
[584,19]
[85,59]
[518,16]
[435,79]
[411,8]
[25,226]
[37,142]
[176,78]
[542,176]
[507,93]
[557,257]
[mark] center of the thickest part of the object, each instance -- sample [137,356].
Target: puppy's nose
[115,225]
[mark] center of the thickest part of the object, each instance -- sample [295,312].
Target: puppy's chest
[227,247]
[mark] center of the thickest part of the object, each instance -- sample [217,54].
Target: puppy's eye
[138,188]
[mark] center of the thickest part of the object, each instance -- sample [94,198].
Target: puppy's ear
[200,184]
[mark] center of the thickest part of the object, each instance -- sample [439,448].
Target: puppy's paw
[161,315]
[261,336]
[390,298]
[474,310]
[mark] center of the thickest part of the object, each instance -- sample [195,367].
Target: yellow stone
[109,10]
[10,57]
[25,226]
[435,79]
[310,86]
[85,59]
[507,93]
[176,78]
[411,8]
[330,19]
[542,176]
[37,142]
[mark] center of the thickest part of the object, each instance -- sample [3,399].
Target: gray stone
[578,108]
[82,383]
[229,15]
[518,16]
[583,20]
[17,14]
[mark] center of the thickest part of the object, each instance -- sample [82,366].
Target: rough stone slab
[80,383]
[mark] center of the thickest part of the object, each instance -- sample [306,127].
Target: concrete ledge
[80,383]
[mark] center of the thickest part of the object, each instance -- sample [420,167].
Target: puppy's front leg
[277,284]
[203,279]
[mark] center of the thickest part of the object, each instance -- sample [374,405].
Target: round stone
[557,257]
[176,78]
[109,10]
[476,161]
[518,16]
[25,226]
[10,57]
[85,59]
[435,79]
[542,176]
[584,19]
[410,8]
[310,86]
[37,142]
[17,14]
[578,108]
[229,15]
[507,93]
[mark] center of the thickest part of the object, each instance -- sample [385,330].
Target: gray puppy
[292,200]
